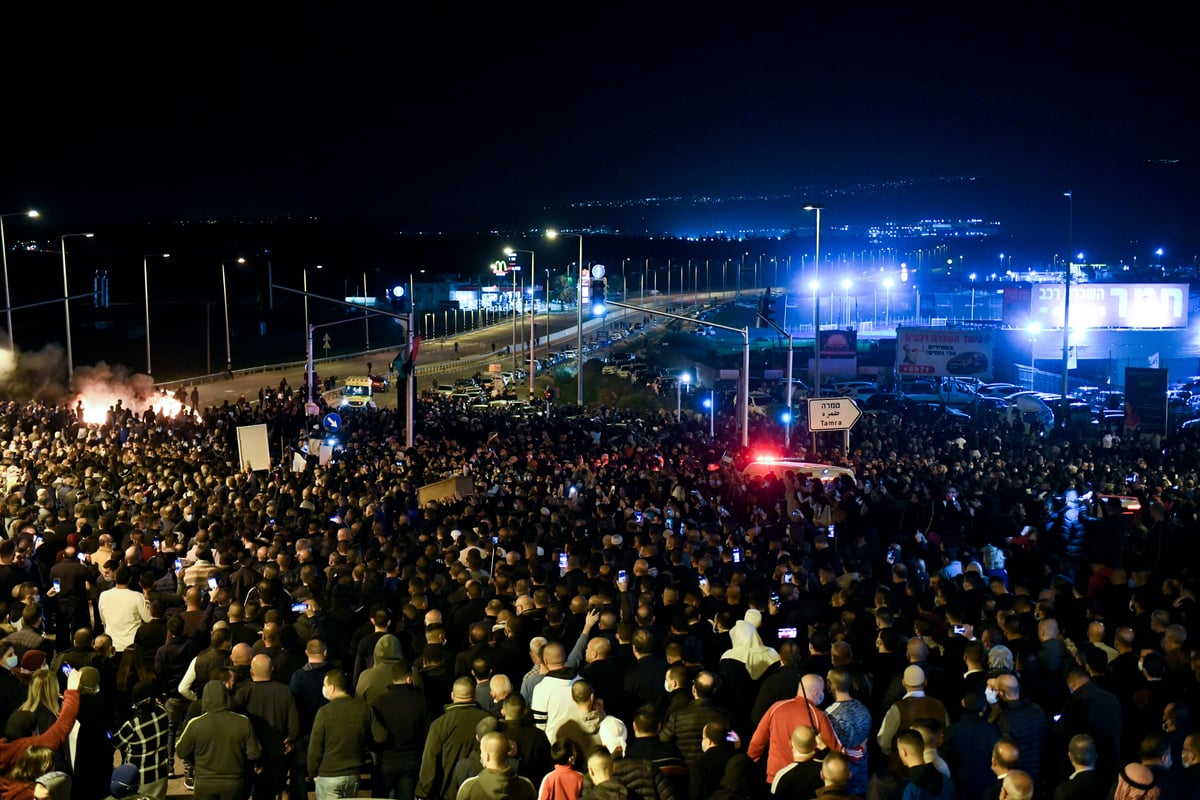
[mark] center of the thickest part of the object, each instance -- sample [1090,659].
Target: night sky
[349,110]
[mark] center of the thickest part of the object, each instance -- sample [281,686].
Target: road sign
[327,344]
[331,422]
[832,414]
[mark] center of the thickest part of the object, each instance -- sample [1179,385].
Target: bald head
[835,770]
[1008,687]
[260,667]
[812,687]
[1005,756]
[804,740]
[241,654]
[1017,786]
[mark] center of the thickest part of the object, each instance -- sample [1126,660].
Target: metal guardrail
[566,335]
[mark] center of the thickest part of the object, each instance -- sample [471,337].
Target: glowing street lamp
[683,378]
[31,214]
[552,234]
[846,284]
[532,312]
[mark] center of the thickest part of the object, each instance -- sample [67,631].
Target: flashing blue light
[786,418]
[708,402]
[598,309]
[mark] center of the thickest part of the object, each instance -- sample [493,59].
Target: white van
[1027,404]
[779,466]
[356,393]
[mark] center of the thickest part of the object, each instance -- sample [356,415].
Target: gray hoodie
[374,682]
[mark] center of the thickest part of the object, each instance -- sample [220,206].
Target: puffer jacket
[609,790]
[685,726]
[640,777]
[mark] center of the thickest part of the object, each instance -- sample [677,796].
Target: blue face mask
[11,662]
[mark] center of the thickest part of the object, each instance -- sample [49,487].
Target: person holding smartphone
[69,585]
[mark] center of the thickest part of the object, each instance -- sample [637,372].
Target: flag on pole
[406,359]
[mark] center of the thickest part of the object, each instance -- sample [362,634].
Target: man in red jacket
[774,732]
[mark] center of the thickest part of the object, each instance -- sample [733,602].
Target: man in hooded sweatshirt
[375,681]
[219,743]
[497,779]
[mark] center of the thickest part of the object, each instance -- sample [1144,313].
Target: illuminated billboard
[1135,306]
[962,352]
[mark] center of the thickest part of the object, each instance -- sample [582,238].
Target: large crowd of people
[615,610]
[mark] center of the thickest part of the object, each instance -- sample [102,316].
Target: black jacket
[451,737]
[685,727]
[400,722]
[533,748]
[272,711]
[219,742]
[640,777]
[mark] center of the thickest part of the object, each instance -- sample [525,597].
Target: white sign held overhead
[832,414]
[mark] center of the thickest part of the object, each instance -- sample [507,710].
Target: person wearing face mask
[1022,722]
[773,737]
[1189,757]
[339,740]
[12,691]
[1154,754]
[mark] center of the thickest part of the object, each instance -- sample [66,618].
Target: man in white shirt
[123,611]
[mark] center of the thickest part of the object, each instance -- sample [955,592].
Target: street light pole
[1066,344]
[67,301]
[225,300]
[816,308]
[532,312]
[12,342]
[578,316]
[146,289]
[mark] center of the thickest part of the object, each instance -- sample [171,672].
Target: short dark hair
[1153,747]
[336,679]
[1082,750]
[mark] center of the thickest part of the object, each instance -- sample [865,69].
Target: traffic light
[766,308]
[599,309]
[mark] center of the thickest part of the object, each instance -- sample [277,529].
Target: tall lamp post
[887,301]
[146,289]
[533,311]
[816,280]
[1066,344]
[683,378]
[12,343]
[225,300]
[67,300]
[846,283]
[551,234]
